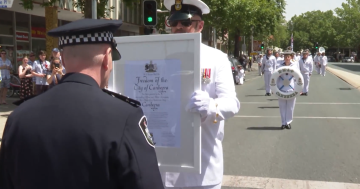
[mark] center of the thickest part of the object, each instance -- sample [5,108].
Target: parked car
[331,59]
[347,59]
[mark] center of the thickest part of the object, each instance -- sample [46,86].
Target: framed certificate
[162,72]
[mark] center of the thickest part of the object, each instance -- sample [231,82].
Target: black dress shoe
[288,126]
[283,126]
[305,94]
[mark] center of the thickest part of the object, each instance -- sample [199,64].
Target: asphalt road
[323,144]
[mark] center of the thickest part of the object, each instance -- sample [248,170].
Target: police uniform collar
[88,31]
[79,78]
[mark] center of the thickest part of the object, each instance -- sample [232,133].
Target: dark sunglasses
[186,23]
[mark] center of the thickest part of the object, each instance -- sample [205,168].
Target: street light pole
[94,9]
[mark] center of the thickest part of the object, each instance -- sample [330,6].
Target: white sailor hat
[185,9]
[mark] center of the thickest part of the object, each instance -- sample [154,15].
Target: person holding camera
[56,71]
[40,70]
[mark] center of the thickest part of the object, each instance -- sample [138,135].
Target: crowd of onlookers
[37,74]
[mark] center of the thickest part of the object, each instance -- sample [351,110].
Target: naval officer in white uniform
[317,62]
[306,68]
[216,101]
[285,83]
[268,66]
[323,63]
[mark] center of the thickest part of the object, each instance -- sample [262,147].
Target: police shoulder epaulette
[133,102]
[19,102]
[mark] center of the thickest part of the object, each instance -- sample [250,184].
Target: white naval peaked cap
[197,3]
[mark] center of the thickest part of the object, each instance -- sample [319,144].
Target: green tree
[348,26]
[313,27]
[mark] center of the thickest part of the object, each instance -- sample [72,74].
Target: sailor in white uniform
[306,68]
[323,63]
[268,66]
[279,60]
[260,59]
[241,74]
[317,62]
[215,103]
[285,83]
[294,59]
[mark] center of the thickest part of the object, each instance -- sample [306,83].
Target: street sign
[254,53]
[6,3]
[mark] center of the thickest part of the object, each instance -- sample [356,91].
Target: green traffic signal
[150,19]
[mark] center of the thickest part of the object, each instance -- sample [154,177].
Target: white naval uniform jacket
[307,66]
[323,60]
[269,64]
[222,90]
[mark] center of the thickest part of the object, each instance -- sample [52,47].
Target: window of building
[6,22]
[22,22]
[38,33]
[38,45]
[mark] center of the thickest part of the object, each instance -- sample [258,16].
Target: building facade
[23,31]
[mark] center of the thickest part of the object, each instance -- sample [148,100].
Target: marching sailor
[279,60]
[215,103]
[268,66]
[285,83]
[241,74]
[259,64]
[317,62]
[306,68]
[323,63]
[293,58]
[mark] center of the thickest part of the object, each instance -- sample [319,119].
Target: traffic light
[316,45]
[150,12]
[262,46]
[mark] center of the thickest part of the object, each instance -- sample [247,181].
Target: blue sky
[296,7]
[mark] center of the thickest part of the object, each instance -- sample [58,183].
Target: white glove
[199,103]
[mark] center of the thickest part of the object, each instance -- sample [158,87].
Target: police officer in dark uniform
[78,135]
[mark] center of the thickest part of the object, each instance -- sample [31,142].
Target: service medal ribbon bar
[206,74]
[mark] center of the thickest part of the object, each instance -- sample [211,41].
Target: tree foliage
[330,29]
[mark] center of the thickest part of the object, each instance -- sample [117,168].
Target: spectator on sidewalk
[26,79]
[40,71]
[56,70]
[5,68]
[56,54]
[31,61]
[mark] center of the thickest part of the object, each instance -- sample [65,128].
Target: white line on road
[307,103]
[275,183]
[298,117]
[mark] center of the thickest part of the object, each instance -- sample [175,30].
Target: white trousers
[267,76]
[323,70]
[317,68]
[198,187]
[259,69]
[241,80]
[306,82]
[287,110]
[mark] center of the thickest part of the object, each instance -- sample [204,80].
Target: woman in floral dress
[26,79]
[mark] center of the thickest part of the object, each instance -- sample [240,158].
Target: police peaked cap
[88,31]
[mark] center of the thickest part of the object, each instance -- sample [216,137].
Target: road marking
[275,183]
[298,117]
[307,103]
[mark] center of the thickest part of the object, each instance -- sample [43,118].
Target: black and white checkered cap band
[99,37]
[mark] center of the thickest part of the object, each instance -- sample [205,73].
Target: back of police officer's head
[90,59]
[88,47]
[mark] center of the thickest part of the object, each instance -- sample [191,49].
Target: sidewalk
[5,111]
[348,77]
